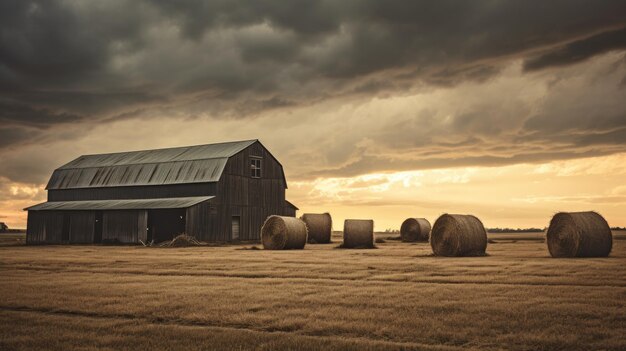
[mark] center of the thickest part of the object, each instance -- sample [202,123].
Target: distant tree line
[505,230]
[5,229]
[516,230]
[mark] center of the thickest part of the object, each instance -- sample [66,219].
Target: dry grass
[397,297]
[12,239]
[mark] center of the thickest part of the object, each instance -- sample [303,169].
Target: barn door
[165,224]
[236,221]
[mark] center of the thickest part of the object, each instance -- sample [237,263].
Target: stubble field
[395,297]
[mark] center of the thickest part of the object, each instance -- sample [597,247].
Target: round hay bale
[283,233]
[415,229]
[579,234]
[358,233]
[458,235]
[319,226]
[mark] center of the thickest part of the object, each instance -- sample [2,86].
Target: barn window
[255,167]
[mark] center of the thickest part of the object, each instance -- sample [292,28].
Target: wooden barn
[216,192]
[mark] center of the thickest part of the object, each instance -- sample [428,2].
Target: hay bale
[415,229]
[579,234]
[319,226]
[283,233]
[358,233]
[458,235]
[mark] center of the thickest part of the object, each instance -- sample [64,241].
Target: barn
[217,193]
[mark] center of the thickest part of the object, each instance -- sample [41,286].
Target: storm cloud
[481,82]
[97,59]
[579,50]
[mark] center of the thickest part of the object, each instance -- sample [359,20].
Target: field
[395,297]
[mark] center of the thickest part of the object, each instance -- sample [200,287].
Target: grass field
[395,297]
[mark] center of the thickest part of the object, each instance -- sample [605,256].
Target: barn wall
[125,226]
[210,222]
[47,227]
[203,220]
[44,227]
[34,228]
[253,199]
[134,192]
[197,224]
[82,226]
[289,211]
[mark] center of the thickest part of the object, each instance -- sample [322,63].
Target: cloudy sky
[509,110]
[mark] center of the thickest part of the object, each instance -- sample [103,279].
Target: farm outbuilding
[290,209]
[215,192]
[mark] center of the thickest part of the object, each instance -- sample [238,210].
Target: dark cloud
[52,45]
[23,124]
[13,136]
[308,18]
[12,114]
[100,58]
[572,113]
[71,65]
[589,121]
[615,137]
[579,50]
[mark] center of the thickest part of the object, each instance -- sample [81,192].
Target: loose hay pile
[579,234]
[182,240]
[319,226]
[283,233]
[415,229]
[358,233]
[458,235]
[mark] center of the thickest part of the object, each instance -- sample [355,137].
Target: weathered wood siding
[34,228]
[44,227]
[134,192]
[202,221]
[124,226]
[237,194]
[254,199]
[82,226]
[289,211]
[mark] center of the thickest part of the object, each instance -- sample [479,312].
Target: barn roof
[289,204]
[134,204]
[191,164]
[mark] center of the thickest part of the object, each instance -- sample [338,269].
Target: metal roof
[191,164]
[291,205]
[126,204]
